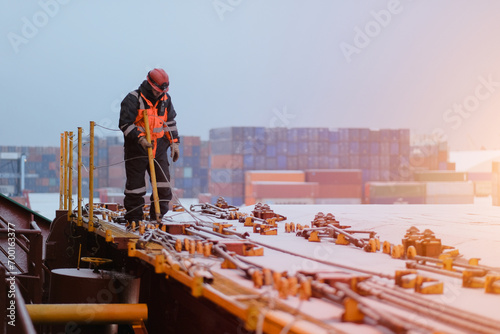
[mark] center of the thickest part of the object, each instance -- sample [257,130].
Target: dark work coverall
[136,157]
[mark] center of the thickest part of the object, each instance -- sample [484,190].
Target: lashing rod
[152,169]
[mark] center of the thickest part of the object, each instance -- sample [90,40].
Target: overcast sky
[431,66]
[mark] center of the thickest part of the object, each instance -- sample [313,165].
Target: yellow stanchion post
[65,165]
[152,169]
[80,200]
[91,178]
[61,173]
[70,175]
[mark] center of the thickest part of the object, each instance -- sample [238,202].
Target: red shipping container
[116,182]
[188,151]
[226,189]
[115,154]
[204,198]
[335,176]
[227,161]
[263,189]
[187,140]
[178,172]
[196,141]
[117,171]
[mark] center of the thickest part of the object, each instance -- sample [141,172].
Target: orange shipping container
[267,189]
[249,200]
[276,176]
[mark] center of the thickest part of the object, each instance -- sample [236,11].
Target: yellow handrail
[80,200]
[91,178]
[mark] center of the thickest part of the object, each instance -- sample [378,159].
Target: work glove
[174,151]
[144,143]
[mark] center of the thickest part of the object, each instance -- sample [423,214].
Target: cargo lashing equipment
[425,243]
[327,226]
[220,210]
[263,211]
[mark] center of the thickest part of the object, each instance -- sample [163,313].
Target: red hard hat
[158,79]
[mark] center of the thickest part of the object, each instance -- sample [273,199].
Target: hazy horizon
[428,66]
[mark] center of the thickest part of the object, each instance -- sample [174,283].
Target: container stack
[190,171]
[41,169]
[430,155]
[378,154]
[229,147]
[446,187]
[116,169]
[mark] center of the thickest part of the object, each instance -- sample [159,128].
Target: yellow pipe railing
[61,173]
[91,178]
[65,164]
[80,200]
[89,314]
[70,176]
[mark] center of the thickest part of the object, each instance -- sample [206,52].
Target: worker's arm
[170,126]
[128,114]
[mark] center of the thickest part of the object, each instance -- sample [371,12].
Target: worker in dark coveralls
[151,96]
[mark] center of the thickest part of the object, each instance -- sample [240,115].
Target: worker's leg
[162,176]
[135,188]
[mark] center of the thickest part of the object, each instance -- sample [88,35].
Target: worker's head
[158,79]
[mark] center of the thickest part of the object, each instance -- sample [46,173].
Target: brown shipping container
[334,176]
[234,161]
[268,189]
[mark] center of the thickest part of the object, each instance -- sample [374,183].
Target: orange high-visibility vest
[157,123]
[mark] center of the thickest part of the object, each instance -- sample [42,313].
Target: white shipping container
[451,188]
